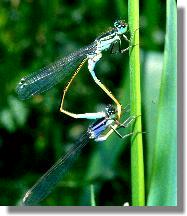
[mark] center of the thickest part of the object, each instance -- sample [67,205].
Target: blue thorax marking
[100,126]
[107,34]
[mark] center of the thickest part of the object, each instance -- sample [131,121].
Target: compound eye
[110,110]
[116,24]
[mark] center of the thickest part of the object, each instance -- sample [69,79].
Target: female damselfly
[47,77]
[98,131]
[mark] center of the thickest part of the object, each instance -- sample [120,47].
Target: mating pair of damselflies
[107,120]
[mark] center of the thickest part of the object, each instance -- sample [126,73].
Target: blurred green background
[34,134]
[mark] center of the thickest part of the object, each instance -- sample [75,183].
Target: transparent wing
[49,76]
[49,180]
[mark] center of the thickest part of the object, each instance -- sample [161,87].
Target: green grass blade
[163,185]
[92,195]
[151,81]
[137,164]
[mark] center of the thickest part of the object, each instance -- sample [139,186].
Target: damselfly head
[121,26]
[111,112]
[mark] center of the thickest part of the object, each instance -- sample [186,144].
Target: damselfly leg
[129,41]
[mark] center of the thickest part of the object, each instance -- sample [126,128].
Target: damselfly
[98,131]
[47,77]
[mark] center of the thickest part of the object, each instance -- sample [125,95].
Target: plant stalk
[137,163]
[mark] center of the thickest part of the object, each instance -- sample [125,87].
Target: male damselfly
[47,77]
[98,131]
